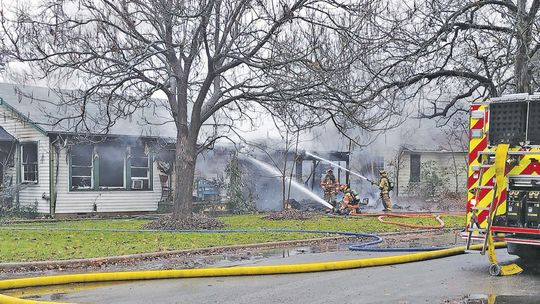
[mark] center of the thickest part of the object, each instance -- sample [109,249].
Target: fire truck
[503,201]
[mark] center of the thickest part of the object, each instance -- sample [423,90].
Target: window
[507,122]
[415,168]
[533,123]
[140,169]
[82,167]
[111,167]
[378,163]
[29,162]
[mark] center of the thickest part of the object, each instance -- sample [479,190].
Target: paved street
[449,279]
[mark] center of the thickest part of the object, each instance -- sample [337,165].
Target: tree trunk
[523,37]
[185,158]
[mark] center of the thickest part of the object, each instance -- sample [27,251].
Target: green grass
[46,245]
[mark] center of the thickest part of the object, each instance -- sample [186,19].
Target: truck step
[483,230]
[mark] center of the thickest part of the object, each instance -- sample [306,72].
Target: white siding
[23,131]
[442,161]
[106,201]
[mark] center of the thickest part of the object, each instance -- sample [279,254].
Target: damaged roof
[51,112]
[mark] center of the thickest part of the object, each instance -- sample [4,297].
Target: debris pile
[305,205]
[195,221]
[292,214]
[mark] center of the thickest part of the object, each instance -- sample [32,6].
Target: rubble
[195,221]
[292,214]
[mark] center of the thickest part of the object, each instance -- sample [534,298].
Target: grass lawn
[46,245]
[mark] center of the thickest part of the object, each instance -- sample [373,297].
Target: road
[458,279]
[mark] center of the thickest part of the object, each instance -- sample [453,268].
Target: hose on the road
[220,272]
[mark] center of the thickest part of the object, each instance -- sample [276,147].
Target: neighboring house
[417,165]
[63,171]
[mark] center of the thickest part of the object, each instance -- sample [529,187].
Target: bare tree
[215,61]
[280,155]
[443,52]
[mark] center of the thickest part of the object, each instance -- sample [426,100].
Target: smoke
[297,186]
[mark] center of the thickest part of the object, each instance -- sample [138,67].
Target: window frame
[417,169]
[92,171]
[131,178]
[22,163]
[127,168]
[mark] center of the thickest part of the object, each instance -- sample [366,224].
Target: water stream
[266,167]
[336,165]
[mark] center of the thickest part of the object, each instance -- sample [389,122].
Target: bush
[239,196]
[433,188]
[10,208]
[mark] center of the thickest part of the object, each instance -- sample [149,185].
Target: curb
[73,263]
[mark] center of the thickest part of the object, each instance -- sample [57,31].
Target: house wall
[443,162]
[82,201]
[23,131]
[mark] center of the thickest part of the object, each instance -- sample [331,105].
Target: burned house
[61,171]
[420,159]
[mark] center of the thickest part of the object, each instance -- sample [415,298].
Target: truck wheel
[524,251]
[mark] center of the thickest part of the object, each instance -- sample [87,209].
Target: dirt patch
[292,214]
[195,221]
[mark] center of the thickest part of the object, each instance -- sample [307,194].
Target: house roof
[430,150]
[49,111]
[5,136]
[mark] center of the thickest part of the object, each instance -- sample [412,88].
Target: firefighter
[330,185]
[351,200]
[385,186]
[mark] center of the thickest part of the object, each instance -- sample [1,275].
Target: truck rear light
[473,201]
[477,114]
[477,133]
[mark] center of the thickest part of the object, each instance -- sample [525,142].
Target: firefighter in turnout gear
[385,186]
[351,201]
[330,186]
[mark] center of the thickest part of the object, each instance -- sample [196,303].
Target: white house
[416,164]
[63,171]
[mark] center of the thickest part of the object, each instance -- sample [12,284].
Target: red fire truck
[504,173]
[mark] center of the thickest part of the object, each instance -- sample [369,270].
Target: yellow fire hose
[500,164]
[221,272]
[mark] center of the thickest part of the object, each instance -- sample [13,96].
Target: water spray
[337,165]
[294,183]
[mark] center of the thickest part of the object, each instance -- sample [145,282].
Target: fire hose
[381,217]
[432,253]
[220,272]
